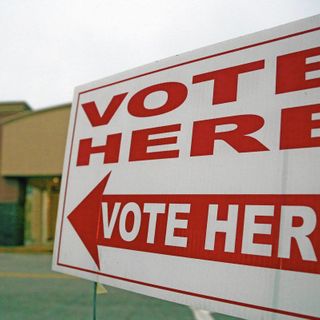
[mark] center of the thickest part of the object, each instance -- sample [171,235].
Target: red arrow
[85,219]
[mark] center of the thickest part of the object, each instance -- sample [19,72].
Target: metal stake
[94,300]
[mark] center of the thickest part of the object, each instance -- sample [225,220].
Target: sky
[50,47]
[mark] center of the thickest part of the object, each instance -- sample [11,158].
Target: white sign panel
[196,179]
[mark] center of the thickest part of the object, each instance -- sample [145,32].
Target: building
[32,149]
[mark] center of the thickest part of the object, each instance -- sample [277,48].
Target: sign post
[196,179]
[94,302]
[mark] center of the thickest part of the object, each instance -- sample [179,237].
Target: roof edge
[34,112]
[17,103]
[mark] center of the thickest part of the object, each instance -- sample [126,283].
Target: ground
[30,291]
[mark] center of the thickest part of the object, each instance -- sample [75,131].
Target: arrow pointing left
[85,219]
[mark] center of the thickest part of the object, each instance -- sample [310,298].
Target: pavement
[29,290]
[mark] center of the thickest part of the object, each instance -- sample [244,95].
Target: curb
[25,249]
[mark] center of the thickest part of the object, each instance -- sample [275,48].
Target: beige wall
[9,190]
[33,145]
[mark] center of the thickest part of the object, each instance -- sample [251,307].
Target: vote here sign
[196,179]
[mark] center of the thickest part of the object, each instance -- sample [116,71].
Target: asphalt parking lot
[29,290]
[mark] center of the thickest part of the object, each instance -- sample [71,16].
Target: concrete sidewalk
[29,290]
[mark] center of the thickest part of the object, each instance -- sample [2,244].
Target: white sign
[196,179]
